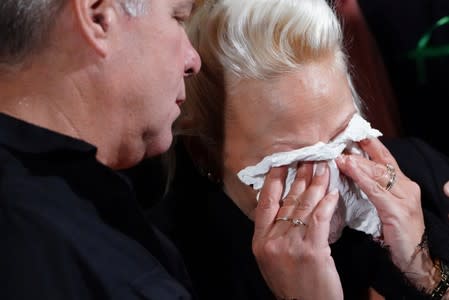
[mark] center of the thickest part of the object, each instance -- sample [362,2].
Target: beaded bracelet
[443,285]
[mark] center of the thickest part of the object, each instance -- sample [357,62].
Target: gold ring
[283,219]
[298,221]
[392,174]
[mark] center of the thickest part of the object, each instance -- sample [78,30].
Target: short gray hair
[26,24]
[135,8]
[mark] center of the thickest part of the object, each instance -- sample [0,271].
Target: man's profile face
[154,56]
[290,112]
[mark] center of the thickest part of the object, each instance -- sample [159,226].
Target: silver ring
[283,219]
[298,221]
[392,173]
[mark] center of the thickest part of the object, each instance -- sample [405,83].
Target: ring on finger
[283,219]
[298,221]
[392,176]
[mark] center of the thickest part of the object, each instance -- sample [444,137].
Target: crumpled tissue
[354,209]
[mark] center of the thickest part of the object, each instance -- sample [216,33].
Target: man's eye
[180,19]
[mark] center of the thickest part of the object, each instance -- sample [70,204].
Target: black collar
[25,137]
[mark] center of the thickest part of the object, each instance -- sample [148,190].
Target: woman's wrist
[427,274]
[441,291]
[421,271]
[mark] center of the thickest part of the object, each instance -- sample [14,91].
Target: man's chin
[159,146]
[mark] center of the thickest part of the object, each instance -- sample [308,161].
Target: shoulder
[24,191]
[36,211]
[55,243]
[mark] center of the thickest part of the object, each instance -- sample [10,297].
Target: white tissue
[354,209]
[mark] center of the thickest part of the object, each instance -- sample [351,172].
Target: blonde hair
[260,39]
[251,39]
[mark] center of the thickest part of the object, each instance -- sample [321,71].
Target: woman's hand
[396,198]
[290,239]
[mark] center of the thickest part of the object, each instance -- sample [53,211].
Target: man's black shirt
[71,228]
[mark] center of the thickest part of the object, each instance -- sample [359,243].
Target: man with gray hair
[87,88]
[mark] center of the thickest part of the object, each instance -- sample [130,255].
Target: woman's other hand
[398,203]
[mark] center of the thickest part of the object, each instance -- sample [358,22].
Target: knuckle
[304,206]
[290,200]
[320,216]
[385,153]
[318,181]
[255,249]
[308,255]
[376,189]
[267,201]
[414,188]
[380,172]
[293,252]
[415,191]
[269,249]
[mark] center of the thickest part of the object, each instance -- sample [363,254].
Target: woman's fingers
[312,215]
[309,188]
[289,203]
[319,223]
[280,247]
[372,177]
[377,152]
[313,194]
[268,205]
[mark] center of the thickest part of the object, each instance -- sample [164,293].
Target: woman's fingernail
[334,192]
[320,168]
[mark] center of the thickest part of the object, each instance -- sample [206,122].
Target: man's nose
[193,62]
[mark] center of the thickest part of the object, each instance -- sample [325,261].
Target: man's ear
[95,18]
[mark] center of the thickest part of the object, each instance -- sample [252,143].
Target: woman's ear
[95,19]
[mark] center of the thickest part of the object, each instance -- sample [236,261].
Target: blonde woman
[275,80]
